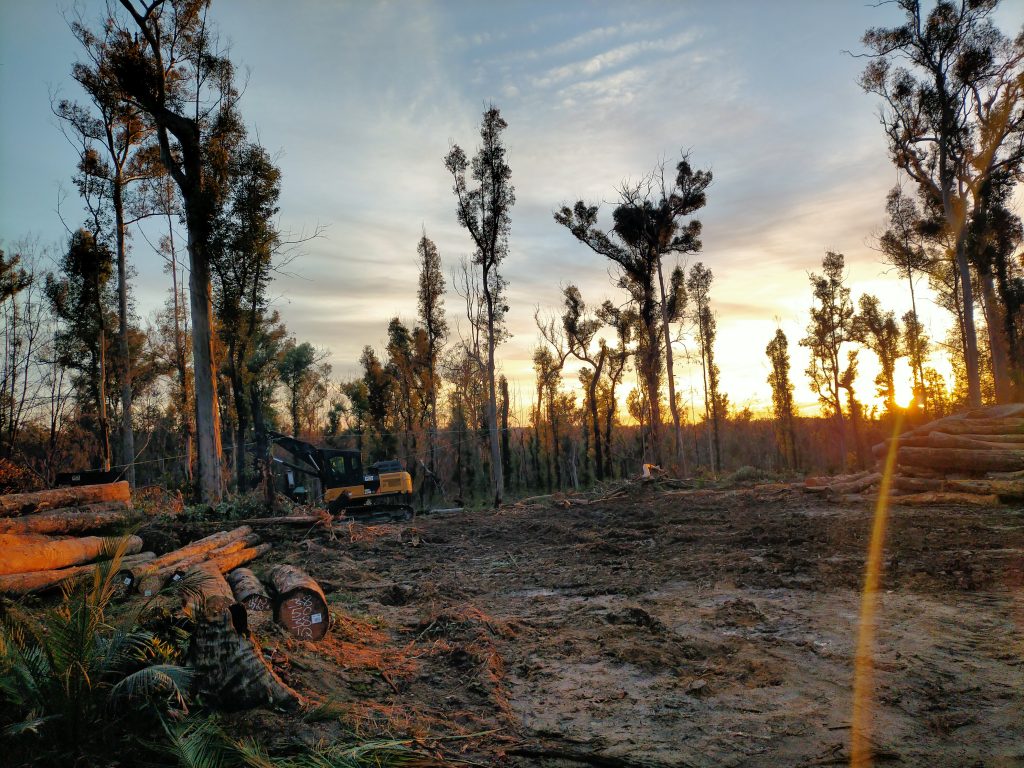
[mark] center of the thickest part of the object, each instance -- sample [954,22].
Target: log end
[304,614]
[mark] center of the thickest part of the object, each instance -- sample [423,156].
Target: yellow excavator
[382,491]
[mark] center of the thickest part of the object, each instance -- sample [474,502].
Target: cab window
[344,467]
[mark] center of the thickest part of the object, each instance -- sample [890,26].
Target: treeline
[187,399]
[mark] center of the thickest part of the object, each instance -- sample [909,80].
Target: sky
[360,102]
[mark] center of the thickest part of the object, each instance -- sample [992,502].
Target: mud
[664,629]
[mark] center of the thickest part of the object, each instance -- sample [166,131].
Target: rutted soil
[665,629]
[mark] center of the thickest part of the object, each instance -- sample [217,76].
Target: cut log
[922,472]
[59,553]
[230,671]
[233,554]
[226,561]
[250,540]
[24,539]
[248,590]
[856,486]
[1019,475]
[131,578]
[962,459]
[946,498]
[1002,440]
[1007,410]
[970,442]
[299,603]
[947,440]
[916,484]
[24,503]
[823,483]
[89,517]
[1004,489]
[977,427]
[40,581]
[289,520]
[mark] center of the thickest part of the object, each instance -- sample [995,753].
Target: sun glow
[904,385]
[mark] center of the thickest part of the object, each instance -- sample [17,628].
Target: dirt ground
[665,629]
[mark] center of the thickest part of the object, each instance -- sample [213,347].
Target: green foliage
[75,684]
[238,507]
[201,742]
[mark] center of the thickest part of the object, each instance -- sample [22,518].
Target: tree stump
[229,669]
[299,604]
[248,590]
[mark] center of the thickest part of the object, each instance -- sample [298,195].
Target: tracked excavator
[381,491]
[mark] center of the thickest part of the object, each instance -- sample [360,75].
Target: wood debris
[974,458]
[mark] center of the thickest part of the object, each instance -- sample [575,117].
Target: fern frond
[197,743]
[160,680]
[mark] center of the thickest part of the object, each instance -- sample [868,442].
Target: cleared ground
[665,629]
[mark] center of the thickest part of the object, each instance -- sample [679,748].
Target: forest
[185,399]
[188,403]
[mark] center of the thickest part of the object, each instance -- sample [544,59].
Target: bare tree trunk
[595,422]
[996,337]
[127,432]
[654,407]
[498,485]
[918,363]
[670,372]
[207,415]
[179,353]
[970,334]
[102,388]
[506,454]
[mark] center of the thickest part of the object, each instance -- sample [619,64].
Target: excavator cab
[381,491]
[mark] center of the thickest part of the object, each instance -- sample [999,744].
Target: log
[1004,411]
[40,581]
[226,561]
[945,497]
[962,459]
[824,482]
[856,486]
[922,472]
[230,671]
[24,539]
[288,520]
[1002,440]
[948,440]
[1004,489]
[248,590]
[916,484]
[131,578]
[59,553]
[89,517]
[970,442]
[299,603]
[1019,475]
[977,427]
[152,583]
[13,504]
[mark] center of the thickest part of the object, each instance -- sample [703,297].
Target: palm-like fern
[69,677]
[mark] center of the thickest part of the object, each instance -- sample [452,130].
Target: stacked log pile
[43,535]
[974,458]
